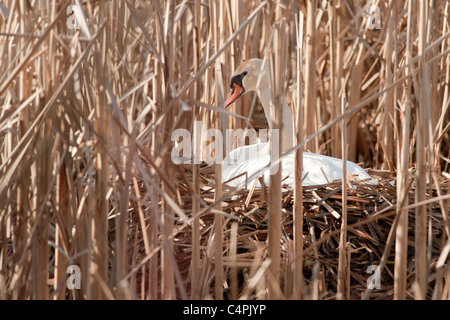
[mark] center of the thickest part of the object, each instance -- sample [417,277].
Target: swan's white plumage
[252,159]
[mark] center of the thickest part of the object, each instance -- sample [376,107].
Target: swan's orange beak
[234,94]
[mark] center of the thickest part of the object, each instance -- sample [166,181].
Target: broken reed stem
[343,276]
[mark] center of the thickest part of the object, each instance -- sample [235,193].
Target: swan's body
[317,169]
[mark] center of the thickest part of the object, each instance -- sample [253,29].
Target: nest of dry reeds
[371,223]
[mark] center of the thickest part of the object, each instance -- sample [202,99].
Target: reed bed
[371,226]
[92,206]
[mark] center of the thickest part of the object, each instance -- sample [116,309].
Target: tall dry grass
[86,176]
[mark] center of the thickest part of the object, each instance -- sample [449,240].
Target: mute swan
[253,75]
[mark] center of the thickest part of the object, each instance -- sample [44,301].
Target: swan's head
[252,75]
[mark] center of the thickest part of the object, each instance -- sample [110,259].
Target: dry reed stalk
[421,154]
[387,128]
[98,264]
[233,258]
[195,262]
[315,272]
[236,8]
[335,65]
[445,98]
[218,219]
[343,276]
[353,99]
[401,241]
[298,188]
[63,228]
[167,47]
[277,60]
[310,72]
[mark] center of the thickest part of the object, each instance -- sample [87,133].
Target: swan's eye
[237,79]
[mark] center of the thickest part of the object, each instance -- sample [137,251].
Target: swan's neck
[287,132]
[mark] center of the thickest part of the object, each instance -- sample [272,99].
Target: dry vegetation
[86,176]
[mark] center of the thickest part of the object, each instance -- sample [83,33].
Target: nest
[371,212]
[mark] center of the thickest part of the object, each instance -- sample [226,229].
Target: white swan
[253,75]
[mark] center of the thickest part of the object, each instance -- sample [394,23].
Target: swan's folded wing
[243,173]
[317,169]
[322,169]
